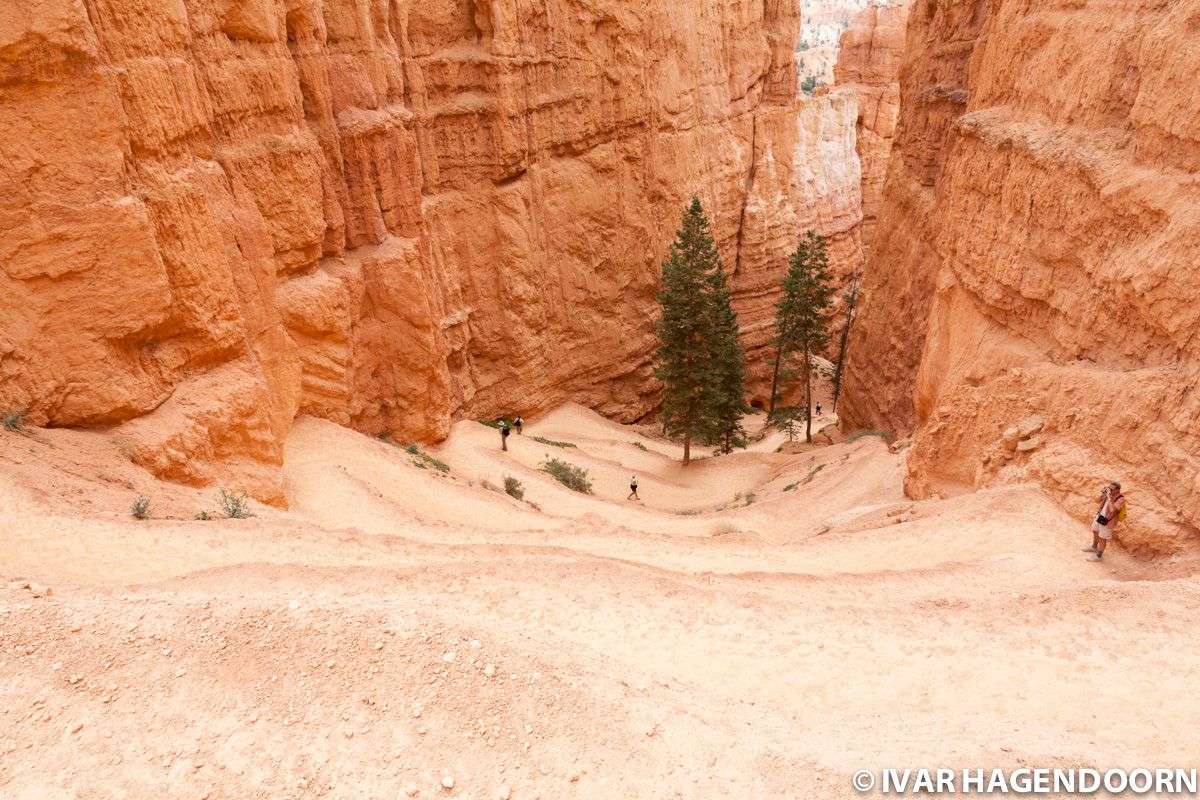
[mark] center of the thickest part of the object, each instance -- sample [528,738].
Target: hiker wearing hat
[504,431]
[1111,512]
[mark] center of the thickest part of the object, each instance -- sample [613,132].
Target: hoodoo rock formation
[1030,293]
[868,66]
[219,214]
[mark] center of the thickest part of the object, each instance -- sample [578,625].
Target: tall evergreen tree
[800,328]
[699,358]
[851,298]
[730,389]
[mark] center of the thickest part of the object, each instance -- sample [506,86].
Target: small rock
[1029,444]
[447,782]
[411,791]
[448,657]
[179,673]
[293,605]
[490,670]
[76,728]
[417,710]
[348,733]
[504,794]
[1010,438]
[1031,425]
[378,646]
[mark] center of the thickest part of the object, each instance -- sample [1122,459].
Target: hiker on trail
[818,409]
[504,431]
[517,423]
[1112,509]
[633,495]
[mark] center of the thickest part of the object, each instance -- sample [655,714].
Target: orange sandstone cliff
[868,66]
[1029,305]
[219,214]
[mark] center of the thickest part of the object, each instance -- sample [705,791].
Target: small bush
[573,477]
[791,487]
[14,419]
[691,512]
[140,508]
[235,506]
[812,473]
[204,516]
[750,498]
[424,460]
[854,437]
[551,442]
[491,487]
[725,528]
[640,446]
[492,423]
[534,505]
[513,488]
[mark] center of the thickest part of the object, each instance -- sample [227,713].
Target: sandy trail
[397,625]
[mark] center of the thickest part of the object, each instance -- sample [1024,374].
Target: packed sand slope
[757,625]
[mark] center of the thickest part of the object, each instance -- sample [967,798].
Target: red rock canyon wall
[1030,293]
[219,214]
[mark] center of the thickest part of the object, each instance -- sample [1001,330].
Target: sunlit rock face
[1034,260]
[220,214]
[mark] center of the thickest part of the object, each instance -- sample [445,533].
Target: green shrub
[691,512]
[513,488]
[791,487]
[640,446]
[812,473]
[14,419]
[854,437]
[573,477]
[235,506]
[491,423]
[491,487]
[424,460]
[725,528]
[750,498]
[140,508]
[204,516]
[551,442]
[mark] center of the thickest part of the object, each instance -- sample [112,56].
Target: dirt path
[758,625]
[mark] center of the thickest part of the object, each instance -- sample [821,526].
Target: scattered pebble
[76,728]
[447,782]
[490,670]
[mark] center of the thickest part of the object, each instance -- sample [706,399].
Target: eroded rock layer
[1030,293]
[221,213]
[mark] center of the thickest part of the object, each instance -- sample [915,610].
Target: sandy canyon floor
[398,628]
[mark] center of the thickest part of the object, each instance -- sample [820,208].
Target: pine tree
[851,298]
[800,328]
[699,358]
[730,389]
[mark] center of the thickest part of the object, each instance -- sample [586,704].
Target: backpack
[1124,510]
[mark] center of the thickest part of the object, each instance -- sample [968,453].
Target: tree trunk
[775,382]
[687,448]
[851,302]
[807,395]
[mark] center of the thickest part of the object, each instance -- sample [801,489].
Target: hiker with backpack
[1111,512]
[504,431]
[633,495]
[517,423]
